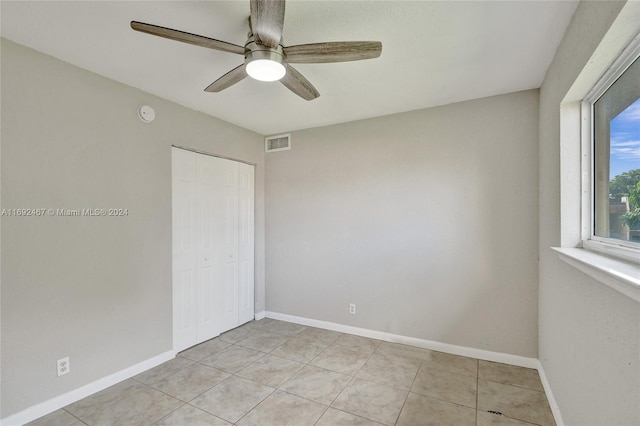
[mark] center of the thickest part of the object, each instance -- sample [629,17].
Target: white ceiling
[433,53]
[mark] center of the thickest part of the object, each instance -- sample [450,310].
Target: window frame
[627,250]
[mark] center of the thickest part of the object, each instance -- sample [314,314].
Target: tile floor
[274,373]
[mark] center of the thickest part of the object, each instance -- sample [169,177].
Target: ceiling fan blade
[267,19]
[229,79]
[337,51]
[299,85]
[177,35]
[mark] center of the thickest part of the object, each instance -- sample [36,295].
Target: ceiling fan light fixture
[265,65]
[265,57]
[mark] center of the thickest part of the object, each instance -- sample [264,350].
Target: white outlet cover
[63,366]
[146,114]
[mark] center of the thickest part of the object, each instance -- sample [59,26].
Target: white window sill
[621,276]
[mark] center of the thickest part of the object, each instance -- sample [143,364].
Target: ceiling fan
[265,57]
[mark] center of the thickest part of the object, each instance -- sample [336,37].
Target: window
[613,110]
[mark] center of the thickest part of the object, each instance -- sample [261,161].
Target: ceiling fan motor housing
[259,56]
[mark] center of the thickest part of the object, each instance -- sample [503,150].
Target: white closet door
[226,258]
[213,246]
[246,242]
[185,274]
[208,193]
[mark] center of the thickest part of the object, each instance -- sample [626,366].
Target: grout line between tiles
[257,405]
[168,414]
[323,413]
[443,400]
[74,416]
[409,391]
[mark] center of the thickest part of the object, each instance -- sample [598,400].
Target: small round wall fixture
[146,114]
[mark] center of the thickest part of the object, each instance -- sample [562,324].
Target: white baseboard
[520,361]
[260,315]
[516,360]
[555,408]
[53,404]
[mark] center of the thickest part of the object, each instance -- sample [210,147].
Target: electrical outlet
[64,366]
[352,308]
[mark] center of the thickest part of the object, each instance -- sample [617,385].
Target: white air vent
[277,143]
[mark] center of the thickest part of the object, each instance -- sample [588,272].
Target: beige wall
[589,334]
[97,289]
[426,220]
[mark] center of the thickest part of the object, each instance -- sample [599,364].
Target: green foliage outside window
[627,184]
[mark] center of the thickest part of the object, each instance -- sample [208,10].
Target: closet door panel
[246,242]
[206,201]
[184,249]
[224,258]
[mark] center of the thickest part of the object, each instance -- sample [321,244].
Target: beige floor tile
[232,359]
[453,363]
[397,372]
[191,416]
[286,329]
[270,370]
[510,375]
[347,380]
[232,398]
[333,417]
[283,409]
[204,349]
[190,382]
[397,350]
[485,418]
[316,384]
[260,325]
[301,349]
[163,370]
[325,337]
[442,384]
[237,334]
[99,400]
[424,411]
[140,408]
[358,343]
[262,341]
[57,418]
[340,359]
[372,401]
[515,402]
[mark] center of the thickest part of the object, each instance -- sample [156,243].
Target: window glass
[616,157]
